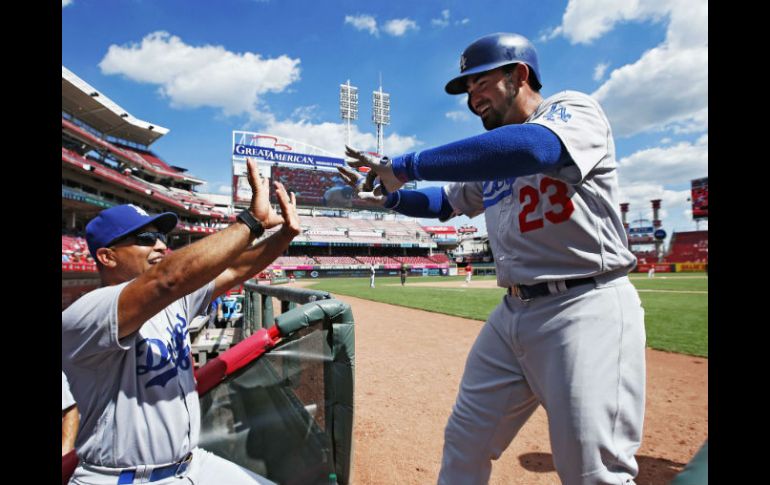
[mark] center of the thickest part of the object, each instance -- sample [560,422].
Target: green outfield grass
[676,305]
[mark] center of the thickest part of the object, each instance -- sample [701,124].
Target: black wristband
[251,222]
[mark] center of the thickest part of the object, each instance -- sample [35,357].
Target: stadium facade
[107,160]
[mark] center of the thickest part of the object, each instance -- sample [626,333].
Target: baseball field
[409,362]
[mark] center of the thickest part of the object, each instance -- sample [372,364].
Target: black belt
[528,292]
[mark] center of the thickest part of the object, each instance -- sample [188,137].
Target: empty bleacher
[688,247]
[377,260]
[337,260]
[414,260]
[439,258]
[295,261]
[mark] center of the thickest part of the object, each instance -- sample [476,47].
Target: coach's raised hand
[260,201]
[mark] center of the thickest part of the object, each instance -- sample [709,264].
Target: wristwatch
[251,222]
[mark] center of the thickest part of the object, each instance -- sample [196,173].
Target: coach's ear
[106,257]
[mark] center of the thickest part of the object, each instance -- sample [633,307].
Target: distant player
[468,274]
[403,272]
[570,332]
[371,277]
[651,271]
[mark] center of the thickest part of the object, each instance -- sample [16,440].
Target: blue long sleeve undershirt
[430,202]
[508,151]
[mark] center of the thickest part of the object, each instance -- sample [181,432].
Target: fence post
[267,311]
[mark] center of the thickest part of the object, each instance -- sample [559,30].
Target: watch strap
[251,222]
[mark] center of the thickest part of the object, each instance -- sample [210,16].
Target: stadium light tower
[348,105]
[381,115]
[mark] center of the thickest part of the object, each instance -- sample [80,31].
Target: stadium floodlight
[380,115]
[348,105]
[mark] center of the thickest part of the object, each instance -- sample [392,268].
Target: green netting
[289,414]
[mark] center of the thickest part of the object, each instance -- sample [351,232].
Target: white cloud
[363,22]
[677,164]
[225,189]
[663,173]
[443,21]
[458,115]
[463,21]
[667,87]
[586,20]
[675,211]
[192,77]
[66,3]
[550,33]
[398,27]
[599,70]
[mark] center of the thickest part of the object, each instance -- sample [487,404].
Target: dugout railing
[280,402]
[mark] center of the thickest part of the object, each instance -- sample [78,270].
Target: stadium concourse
[107,160]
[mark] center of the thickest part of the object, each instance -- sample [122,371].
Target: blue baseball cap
[114,223]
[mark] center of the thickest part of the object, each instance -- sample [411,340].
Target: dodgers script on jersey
[559,225]
[136,395]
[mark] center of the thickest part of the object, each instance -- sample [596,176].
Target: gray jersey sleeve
[197,302]
[466,198]
[90,327]
[579,122]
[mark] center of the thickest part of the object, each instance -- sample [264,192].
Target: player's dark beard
[495,117]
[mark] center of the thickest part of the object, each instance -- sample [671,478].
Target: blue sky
[203,69]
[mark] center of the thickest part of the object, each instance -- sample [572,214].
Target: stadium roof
[86,103]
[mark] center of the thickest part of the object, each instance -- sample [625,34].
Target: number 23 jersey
[557,225]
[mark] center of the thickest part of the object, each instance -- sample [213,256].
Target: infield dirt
[408,367]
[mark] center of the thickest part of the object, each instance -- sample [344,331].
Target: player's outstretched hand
[362,186]
[260,197]
[381,166]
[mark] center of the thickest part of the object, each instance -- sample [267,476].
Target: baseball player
[569,334]
[371,276]
[126,347]
[70,418]
[468,274]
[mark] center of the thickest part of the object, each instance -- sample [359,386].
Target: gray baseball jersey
[559,225]
[136,395]
[67,400]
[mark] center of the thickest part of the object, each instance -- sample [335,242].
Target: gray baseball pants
[581,355]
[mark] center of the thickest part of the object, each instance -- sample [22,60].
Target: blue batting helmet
[493,51]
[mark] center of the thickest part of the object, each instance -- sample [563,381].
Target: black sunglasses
[146,238]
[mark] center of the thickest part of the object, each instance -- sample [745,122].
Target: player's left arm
[505,152]
[257,257]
